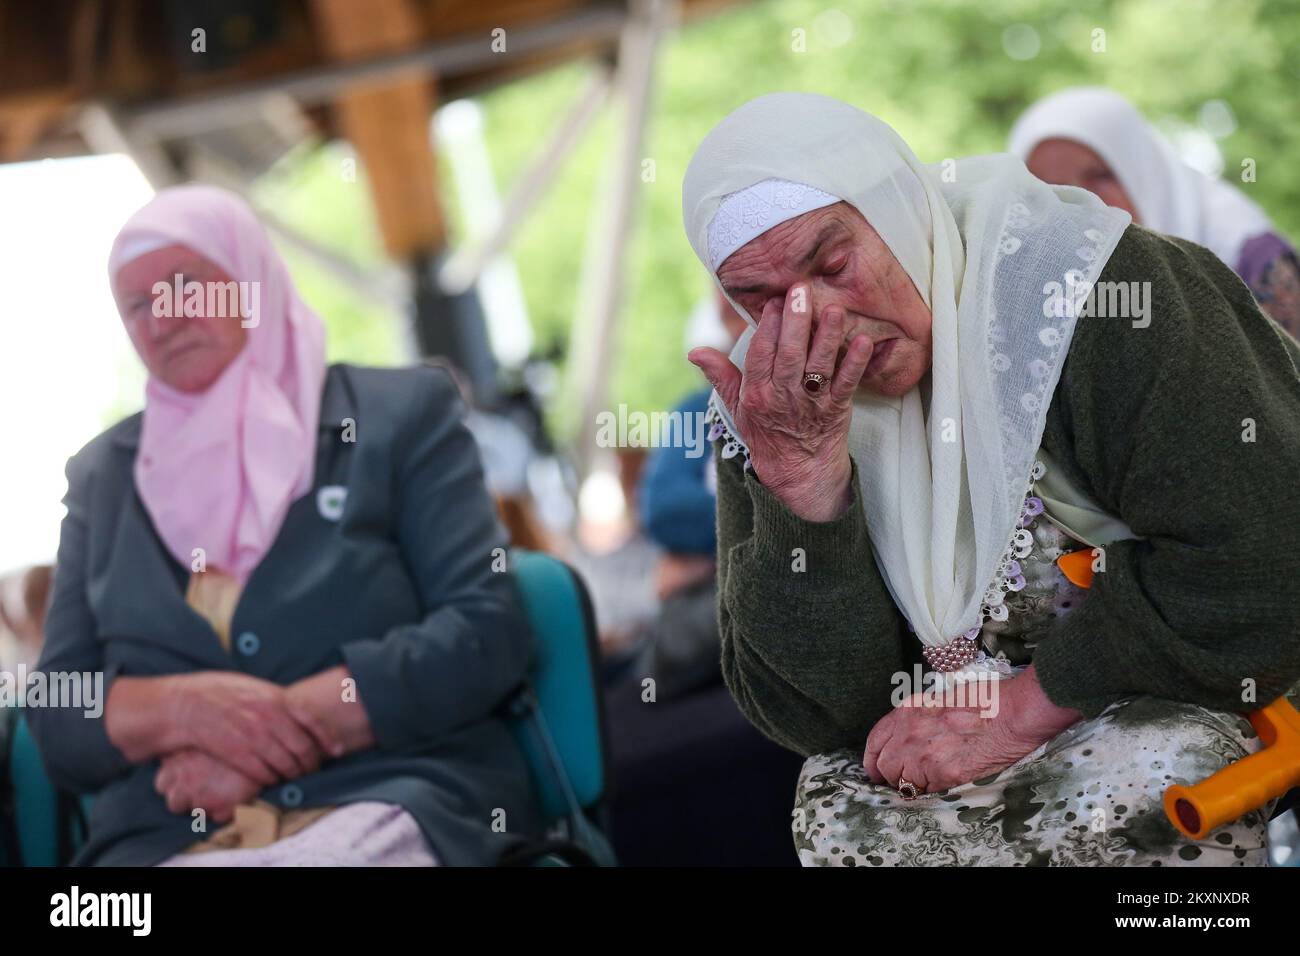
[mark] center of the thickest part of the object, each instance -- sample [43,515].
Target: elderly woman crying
[909,440]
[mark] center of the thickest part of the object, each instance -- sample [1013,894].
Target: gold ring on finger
[813,382]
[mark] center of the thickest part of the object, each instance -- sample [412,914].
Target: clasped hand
[938,747]
[240,734]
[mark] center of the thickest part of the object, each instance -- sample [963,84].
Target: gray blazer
[397,584]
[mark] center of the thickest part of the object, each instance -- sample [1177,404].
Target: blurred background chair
[39,825]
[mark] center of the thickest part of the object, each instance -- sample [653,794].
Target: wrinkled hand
[192,779]
[251,724]
[940,747]
[798,441]
[322,695]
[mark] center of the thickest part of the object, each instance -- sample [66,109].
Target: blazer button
[248,643]
[291,795]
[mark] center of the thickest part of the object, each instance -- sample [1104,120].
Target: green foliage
[312,194]
[936,70]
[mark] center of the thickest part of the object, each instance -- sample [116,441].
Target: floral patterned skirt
[1091,796]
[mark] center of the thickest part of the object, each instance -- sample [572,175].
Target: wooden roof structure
[218,90]
[75,74]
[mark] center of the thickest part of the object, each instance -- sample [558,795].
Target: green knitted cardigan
[1187,429]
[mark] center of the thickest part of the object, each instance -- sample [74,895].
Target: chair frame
[523,706]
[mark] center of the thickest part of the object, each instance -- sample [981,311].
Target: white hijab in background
[1169,195]
[980,238]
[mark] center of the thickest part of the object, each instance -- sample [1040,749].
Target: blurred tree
[950,75]
[322,194]
[941,72]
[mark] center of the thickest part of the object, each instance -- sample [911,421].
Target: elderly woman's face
[1063,162]
[187,353]
[845,263]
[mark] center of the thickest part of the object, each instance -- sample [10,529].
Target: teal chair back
[558,719]
[43,829]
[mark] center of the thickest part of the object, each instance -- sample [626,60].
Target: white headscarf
[1169,195]
[980,238]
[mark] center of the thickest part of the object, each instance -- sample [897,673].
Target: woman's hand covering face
[845,265]
[798,440]
[831,299]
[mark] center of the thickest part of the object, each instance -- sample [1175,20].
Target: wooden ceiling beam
[388,125]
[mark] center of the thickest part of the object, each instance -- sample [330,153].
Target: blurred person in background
[678,509]
[674,730]
[1094,138]
[616,561]
[284,571]
[23,598]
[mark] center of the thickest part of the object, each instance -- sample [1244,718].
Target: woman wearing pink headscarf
[284,573]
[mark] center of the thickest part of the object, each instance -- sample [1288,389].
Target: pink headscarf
[218,469]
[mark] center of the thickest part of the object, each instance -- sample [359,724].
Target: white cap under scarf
[980,240]
[752,211]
